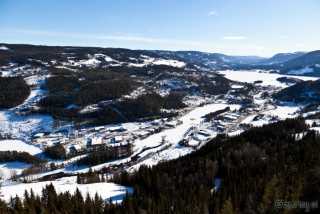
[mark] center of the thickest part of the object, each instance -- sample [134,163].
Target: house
[38,135]
[64,141]
[203,132]
[96,144]
[155,123]
[144,134]
[118,139]
[96,141]
[77,147]
[115,129]
[98,128]
[171,124]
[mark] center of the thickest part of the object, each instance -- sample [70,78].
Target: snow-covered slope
[105,190]
[301,71]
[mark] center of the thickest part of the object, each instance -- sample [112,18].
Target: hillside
[13,91]
[304,60]
[91,85]
[256,168]
[214,60]
[305,91]
[201,59]
[281,57]
[243,174]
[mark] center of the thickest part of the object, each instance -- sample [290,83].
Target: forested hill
[13,91]
[306,91]
[257,168]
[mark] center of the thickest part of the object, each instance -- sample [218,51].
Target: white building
[38,135]
[96,141]
[118,139]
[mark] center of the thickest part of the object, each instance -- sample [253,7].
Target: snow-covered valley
[247,102]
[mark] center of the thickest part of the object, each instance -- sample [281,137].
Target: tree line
[25,157]
[212,115]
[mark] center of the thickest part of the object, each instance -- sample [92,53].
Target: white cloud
[255,47]
[298,44]
[234,37]
[213,13]
[282,37]
[119,38]
[129,34]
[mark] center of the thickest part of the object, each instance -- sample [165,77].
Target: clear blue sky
[234,27]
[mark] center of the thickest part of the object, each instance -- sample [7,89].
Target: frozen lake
[267,78]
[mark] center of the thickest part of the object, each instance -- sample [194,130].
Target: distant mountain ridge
[210,59]
[281,57]
[297,63]
[310,58]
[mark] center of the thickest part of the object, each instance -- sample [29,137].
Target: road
[239,120]
[245,117]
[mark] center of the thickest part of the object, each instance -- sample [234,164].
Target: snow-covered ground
[5,73]
[194,118]
[93,61]
[173,63]
[20,146]
[4,48]
[267,78]
[7,168]
[237,86]
[20,126]
[301,71]
[105,190]
[174,135]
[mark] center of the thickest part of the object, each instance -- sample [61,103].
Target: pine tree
[272,193]
[88,205]
[0,189]
[102,178]
[3,207]
[17,204]
[78,178]
[227,207]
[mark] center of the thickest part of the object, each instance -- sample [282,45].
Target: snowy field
[20,146]
[105,190]
[10,145]
[20,126]
[93,61]
[7,168]
[301,71]
[267,78]
[283,112]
